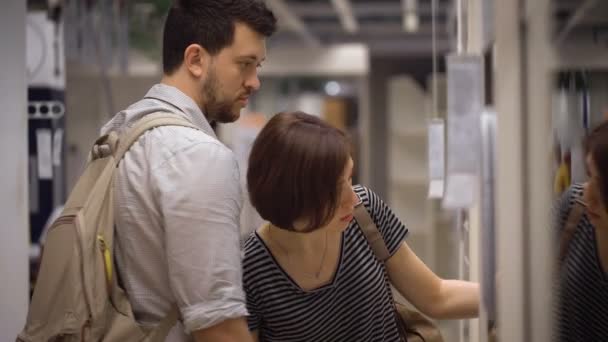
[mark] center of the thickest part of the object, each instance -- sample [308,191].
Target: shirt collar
[176,98]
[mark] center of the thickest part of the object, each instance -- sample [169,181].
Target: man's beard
[217,110]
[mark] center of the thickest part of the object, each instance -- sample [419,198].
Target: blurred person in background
[582,275]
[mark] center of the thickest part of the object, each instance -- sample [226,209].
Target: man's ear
[196,60]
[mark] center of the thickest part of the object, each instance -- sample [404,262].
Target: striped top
[582,285]
[355,306]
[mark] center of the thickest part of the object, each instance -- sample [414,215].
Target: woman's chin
[595,220]
[339,227]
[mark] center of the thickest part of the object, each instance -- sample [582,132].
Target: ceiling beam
[379,46]
[345,13]
[577,17]
[378,29]
[405,47]
[371,8]
[592,18]
[289,20]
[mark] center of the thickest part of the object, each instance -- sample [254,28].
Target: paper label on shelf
[45,162]
[57,144]
[465,105]
[436,188]
[465,83]
[460,191]
[436,157]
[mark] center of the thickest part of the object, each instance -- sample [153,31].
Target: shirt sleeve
[253,320]
[391,228]
[200,200]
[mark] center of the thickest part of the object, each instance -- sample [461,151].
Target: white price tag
[43,145]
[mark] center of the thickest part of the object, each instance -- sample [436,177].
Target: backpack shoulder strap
[371,232]
[574,217]
[143,125]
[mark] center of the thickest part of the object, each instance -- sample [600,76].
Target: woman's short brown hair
[294,169]
[596,145]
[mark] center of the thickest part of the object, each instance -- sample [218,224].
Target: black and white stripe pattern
[355,306]
[582,289]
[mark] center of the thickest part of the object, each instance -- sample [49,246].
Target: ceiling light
[411,23]
[332,88]
[345,13]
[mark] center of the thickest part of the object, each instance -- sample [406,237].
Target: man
[178,197]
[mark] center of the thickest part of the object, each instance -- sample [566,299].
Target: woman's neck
[299,242]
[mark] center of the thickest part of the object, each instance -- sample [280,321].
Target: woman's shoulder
[253,248]
[576,190]
[365,194]
[568,197]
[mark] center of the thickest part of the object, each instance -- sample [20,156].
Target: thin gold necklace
[314,275]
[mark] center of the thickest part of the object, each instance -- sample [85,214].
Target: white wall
[337,60]
[13,170]
[85,114]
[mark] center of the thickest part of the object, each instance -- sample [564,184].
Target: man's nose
[252,83]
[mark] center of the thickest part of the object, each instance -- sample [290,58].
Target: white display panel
[465,103]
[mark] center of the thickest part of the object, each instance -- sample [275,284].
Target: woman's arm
[435,297]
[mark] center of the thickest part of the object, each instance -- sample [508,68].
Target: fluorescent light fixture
[292,22]
[345,13]
[411,23]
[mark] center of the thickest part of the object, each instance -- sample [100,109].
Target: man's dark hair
[295,168]
[211,24]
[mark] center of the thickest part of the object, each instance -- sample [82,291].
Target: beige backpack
[77,296]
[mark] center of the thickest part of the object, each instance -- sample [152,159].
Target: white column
[540,61]
[14,293]
[509,173]
[475,24]
[474,46]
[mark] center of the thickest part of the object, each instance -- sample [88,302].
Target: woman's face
[347,201]
[596,208]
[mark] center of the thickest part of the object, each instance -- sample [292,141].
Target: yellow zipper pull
[107,261]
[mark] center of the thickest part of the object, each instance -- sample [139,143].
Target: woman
[583,272]
[310,274]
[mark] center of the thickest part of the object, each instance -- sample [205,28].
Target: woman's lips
[347,218]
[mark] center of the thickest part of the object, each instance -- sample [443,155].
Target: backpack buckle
[105,146]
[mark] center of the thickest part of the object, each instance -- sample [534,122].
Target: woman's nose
[354,199]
